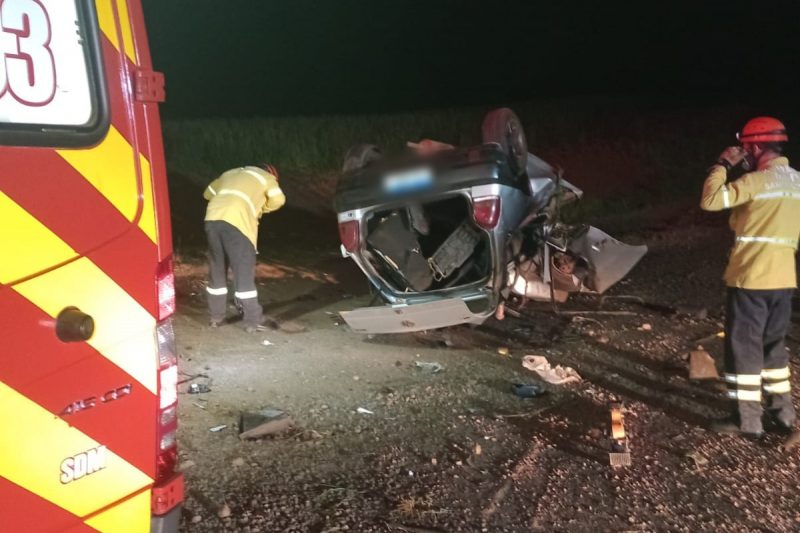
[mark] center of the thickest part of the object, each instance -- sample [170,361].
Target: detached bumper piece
[417,317]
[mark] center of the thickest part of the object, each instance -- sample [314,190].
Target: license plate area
[408,181]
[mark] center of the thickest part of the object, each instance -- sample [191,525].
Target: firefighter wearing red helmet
[236,201]
[760,276]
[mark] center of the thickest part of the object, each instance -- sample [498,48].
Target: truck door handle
[73,325]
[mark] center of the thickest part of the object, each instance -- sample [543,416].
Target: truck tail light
[350,235]
[165,288]
[486,211]
[168,490]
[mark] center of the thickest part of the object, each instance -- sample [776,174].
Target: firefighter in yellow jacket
[761,275]
[236,201]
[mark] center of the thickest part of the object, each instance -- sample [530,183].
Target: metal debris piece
[268,428]
[430,368]
[702,366]
[198,388]
[217,429]
[363,411]
[620,454]
[252,420]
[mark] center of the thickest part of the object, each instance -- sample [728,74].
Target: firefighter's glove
[731,156]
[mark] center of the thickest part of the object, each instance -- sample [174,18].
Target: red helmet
[763,129]
[270,168]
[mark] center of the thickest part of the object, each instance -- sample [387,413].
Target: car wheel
[503,127]
[360,156]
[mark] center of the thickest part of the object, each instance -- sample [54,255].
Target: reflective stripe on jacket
[240,196]
[765,216]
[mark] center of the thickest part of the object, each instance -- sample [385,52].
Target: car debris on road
[702,366]
[620,454]
[558,375]
[429,368]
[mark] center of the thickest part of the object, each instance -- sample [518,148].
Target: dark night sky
[270,57]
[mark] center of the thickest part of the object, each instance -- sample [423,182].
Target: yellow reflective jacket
[765,216]
[240,196]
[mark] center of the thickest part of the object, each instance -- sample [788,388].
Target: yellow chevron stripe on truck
[147,222]
[127,31]
[36,464]
[130,516]
[105,18]
[110,168]
[123,329]
[28,246]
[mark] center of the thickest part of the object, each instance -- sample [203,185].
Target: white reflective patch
[777,194]
[246,295]
[261,179]
[217,292]
[743,379]
[274,192]
[774,374]
[767,240]
[243,196]
[726,198]
[212,191]
[745,395]
[781,387]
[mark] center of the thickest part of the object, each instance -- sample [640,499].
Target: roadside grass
[625,153]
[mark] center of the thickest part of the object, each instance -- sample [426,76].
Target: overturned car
[444,234]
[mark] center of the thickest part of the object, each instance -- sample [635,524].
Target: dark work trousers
[228,246]
[756,323]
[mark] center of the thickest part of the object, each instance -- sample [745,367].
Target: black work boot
[255,328]
[746,421]
[780,413]
[730,426]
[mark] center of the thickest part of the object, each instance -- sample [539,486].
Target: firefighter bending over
[761,277]
[236,201]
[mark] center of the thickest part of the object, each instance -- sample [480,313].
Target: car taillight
[349,235]
[168,490]
[167,419]
[165,287]
[486,211]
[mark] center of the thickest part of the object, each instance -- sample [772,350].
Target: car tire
[361,156]
[503,127]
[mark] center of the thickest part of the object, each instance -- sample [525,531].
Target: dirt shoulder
[456,450]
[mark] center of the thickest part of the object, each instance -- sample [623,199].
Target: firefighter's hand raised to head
[731,156]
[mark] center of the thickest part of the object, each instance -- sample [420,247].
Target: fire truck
[88,366]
